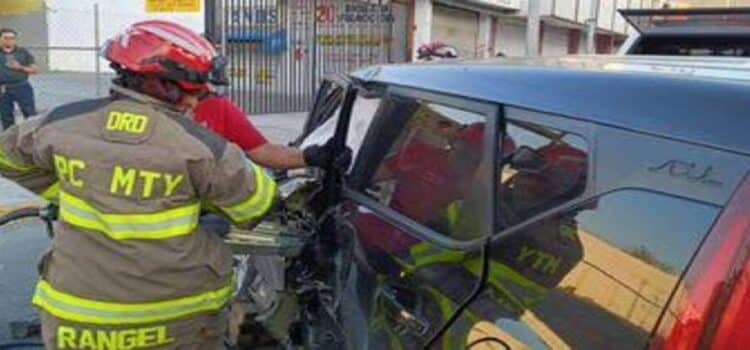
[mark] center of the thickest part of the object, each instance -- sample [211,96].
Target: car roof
[699,100]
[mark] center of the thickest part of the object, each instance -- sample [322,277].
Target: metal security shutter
[455,27]
[555,42]
[510,39]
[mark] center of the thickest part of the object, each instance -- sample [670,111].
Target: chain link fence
[70,68]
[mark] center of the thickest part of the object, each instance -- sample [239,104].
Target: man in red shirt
[219,114]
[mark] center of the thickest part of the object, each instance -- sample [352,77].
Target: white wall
[606,11]
[71,24]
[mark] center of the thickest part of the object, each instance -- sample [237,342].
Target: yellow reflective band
[425,254]
[8,163]
[52,193]
[446,310]
[159,225]
[256,204]
[452,213]
[516,288]
[76,309]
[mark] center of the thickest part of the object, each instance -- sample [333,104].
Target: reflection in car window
[597,275]
[363,113]
[541,168]
[429,173]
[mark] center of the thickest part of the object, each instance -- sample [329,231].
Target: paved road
[22,244]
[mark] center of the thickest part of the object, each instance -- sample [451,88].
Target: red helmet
[169,50]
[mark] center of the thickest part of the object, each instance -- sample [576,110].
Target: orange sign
[153,6]
[17,7]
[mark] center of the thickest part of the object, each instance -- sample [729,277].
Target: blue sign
[271,42]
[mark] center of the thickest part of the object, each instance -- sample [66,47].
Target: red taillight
[711,308]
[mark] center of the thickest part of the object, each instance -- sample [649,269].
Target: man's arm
[239,130]
[28,66]
[239,189]
[277,157]
[225,118]
[19,164]
[30,69]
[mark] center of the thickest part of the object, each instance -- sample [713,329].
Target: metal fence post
[314,70]
[97,47]
[219,13]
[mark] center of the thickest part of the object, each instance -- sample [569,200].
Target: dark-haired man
[16,64]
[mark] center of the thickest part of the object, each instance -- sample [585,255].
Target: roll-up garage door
[456,27]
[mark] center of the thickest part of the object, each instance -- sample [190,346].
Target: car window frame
[371,154]
[315,118]
[363,92]
[571,125]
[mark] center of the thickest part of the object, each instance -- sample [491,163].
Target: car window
[597,276]
[541,168]
[431,172]
[363,113]
[692,46]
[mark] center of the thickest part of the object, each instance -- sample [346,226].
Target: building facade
[64,35]
[485,28]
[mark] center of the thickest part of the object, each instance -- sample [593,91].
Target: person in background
[16,64]
[219,114]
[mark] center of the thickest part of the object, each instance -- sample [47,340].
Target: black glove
[215,224]
[322,155]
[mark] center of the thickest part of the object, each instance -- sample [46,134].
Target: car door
[588,249]
[418,210]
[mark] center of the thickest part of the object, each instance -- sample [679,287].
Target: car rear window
[692,46]
[542,168]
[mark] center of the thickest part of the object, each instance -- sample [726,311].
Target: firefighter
[130,267]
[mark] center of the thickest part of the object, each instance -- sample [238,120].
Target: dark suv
[563,203]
